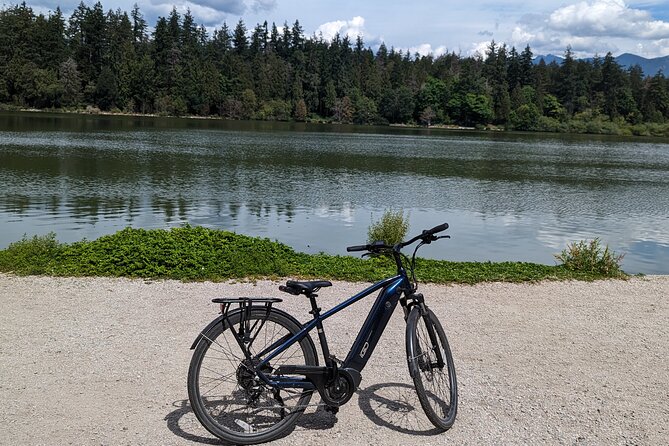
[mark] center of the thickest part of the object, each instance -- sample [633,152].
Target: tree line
[112,61]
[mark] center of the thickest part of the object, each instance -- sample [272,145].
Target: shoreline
[445,127]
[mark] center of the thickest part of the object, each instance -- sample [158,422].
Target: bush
[588,257]
[392,228]
[31,256]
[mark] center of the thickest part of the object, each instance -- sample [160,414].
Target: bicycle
[255,367]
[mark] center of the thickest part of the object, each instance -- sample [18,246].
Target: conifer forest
[99,60]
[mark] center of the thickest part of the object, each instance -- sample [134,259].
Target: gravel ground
[104,361]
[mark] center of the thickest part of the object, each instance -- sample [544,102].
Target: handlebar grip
[438,228]
[357,248]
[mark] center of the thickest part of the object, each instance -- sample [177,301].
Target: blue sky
[432,26]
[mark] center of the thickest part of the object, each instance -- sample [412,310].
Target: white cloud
[480,49]
[612,18]
[351,28]
[425,49]
[591,27]
[654,48]
[519,35]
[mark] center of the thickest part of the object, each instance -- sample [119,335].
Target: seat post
[316,312]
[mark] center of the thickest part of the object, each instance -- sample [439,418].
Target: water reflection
[507,197]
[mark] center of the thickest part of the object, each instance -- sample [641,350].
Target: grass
[192,253]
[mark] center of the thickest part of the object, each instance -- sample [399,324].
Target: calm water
[316,187]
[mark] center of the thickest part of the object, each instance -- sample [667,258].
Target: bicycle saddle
[296,288]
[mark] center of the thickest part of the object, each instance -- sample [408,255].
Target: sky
[435,26]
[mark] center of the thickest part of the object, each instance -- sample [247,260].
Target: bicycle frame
[364,344]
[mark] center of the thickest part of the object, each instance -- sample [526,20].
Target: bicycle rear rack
[246,304]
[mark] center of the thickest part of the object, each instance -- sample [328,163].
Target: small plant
[589,257]
[392,228]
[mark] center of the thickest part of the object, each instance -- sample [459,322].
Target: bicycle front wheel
[226,395]
[431,368]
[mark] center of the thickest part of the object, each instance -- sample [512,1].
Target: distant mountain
[549,59]
[650,67]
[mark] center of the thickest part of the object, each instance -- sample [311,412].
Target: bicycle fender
[212,324]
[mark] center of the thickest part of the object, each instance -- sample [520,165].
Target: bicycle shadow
[174,418]
[390,405]
[318,420]
[395,406]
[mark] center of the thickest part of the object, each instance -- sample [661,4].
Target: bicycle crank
[339,390]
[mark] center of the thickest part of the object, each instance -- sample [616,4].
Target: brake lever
[443,236]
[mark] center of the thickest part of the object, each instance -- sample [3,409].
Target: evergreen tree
[239,39]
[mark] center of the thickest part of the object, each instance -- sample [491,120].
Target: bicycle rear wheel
[226,395]
[431,367]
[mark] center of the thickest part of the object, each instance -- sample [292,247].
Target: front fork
[417,300]
[410,300]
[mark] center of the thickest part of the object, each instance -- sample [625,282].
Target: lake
[316,187]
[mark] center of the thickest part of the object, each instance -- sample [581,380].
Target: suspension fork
[417,300]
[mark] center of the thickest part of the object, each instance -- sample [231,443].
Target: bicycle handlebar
[426,236]
[358,248]
[377,245]
[438,228]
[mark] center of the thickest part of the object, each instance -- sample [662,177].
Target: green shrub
[589,257]
[30,256]
[391,228]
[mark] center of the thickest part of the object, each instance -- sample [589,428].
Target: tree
[526,66]
[612,86]
[366,111]
[397,105]
[139,34]
[477,109]
[568,92]
[300,113]
[526,117]
[656,99]
[70,82]
[249,103]
[141,84]
[343,110]
[433,94]
[427,116]
[106,92]
[239,39]
[87,31]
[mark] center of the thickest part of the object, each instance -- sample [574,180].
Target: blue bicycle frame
[365,343]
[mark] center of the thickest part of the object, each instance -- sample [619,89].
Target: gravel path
[104,361]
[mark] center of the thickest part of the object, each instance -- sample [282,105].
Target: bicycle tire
[236,422]
[440,399]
